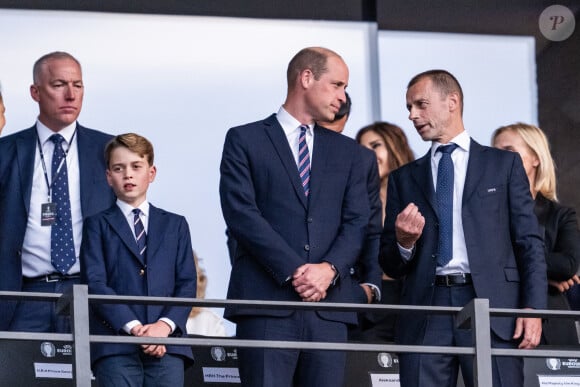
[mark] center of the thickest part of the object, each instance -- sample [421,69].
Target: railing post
[476,315]
[80,331]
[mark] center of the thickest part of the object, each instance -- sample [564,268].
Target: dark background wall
[558,63]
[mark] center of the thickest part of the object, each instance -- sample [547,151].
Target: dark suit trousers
[291,367]
[140,370]
[441,370]
[40,316]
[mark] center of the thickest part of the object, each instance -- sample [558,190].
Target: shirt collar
[44,132]
[462,140]
[127,209]
[288,122]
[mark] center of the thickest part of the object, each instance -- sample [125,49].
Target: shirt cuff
[169,322]
[406,254]
[376,289]
[130,325]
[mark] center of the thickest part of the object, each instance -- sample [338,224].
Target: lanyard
[50,184]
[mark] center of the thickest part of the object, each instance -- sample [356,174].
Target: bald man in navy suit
[297,237]
[25,177]
[496,249]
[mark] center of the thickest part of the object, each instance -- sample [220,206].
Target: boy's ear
[109,178]
[152,173]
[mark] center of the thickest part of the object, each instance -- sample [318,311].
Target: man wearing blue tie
[294,198]
[52,176]
[460,224]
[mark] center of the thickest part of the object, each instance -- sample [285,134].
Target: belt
[453,279]
[54,277]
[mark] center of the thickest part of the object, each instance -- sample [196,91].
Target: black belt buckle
[53,277]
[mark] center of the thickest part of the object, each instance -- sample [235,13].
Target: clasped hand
[312,280]
[157,329]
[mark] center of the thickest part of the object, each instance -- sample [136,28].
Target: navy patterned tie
[140,235]
[62,247]
[444,194]
[304,160]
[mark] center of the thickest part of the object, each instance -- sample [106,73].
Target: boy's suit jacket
[111,265]
[17,153]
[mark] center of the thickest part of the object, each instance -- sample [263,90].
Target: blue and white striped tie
[304,160]
[140,235]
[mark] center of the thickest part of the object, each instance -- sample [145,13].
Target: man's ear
[453,99]
[306,78]
[34,93]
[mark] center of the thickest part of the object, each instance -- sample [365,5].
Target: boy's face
[129,175]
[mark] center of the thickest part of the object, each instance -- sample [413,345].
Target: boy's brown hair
[133,142]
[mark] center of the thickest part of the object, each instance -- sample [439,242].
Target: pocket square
[491,190]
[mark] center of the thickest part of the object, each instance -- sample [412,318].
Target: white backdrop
[182,81]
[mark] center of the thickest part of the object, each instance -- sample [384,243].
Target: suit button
[142,272]
[19,253]
[352,271]
[309,220]
[307,247]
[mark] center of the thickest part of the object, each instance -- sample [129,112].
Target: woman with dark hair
[392,149]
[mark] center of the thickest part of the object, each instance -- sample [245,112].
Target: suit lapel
[26,152]
[280,142]
[119,224]
[424,179]
[156,229]
[323,154]
[474,170]
[88,169]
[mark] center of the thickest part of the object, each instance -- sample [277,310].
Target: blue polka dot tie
[140,235]
[444,192]
[62,247]
[304,160]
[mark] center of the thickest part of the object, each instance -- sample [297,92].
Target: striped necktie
[304,160]
[140,235]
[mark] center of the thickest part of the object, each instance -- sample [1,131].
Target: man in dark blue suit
[298,234]
[493,249]
[136,249]
[26,204]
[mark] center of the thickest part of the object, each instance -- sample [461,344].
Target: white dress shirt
[291,127]
[36,247]
[459,262]
[127,210]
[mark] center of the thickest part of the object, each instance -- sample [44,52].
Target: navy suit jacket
[277,228]
[111,265]
[17,153]
[367,269]
[559,226]
[504,246]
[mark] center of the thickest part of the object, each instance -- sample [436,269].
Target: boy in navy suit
[134,248]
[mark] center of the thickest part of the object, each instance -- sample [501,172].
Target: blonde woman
[559,223]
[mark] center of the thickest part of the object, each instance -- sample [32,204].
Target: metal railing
[475,315]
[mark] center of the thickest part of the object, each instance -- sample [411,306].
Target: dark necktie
[62,247]
[140,235]
[444,194]
[304,160]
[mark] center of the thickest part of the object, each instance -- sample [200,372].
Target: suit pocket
[511,274]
